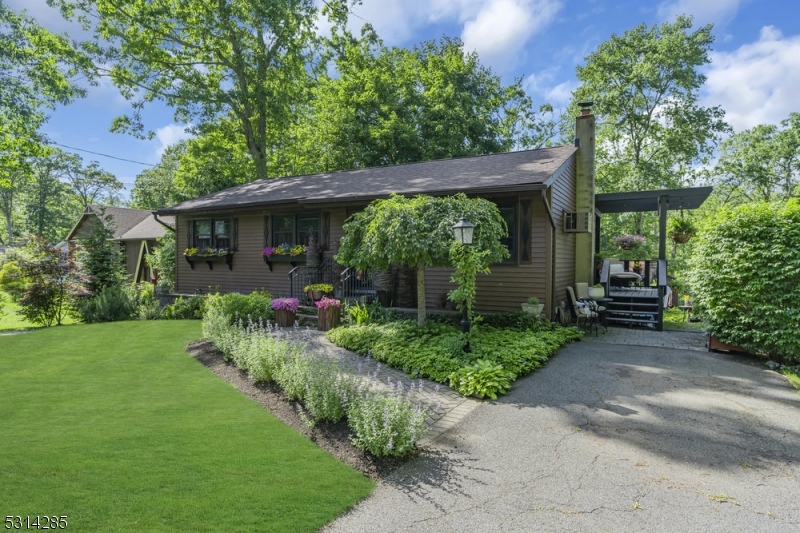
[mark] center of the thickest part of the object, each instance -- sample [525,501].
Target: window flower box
[210,260]
[294,260]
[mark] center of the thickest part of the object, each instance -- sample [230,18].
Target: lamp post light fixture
[463,231]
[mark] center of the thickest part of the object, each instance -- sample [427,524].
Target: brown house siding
[563,199]
[131,256]
[508,285]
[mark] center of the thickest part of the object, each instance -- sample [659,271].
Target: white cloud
[544,87]
[717,12]
[48,17]
[169,135]
[497,29]
[757,83]
[502,28]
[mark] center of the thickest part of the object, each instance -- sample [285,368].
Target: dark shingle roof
[148,229]
[444,176]
[127,223]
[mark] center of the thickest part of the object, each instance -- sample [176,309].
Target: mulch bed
[335,438]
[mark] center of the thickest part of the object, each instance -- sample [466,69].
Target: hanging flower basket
[680,237]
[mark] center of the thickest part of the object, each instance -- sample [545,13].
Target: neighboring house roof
[487,173]
[148,229]
[123,222]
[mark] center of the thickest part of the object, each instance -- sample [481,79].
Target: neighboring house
[135,232]
[532,188]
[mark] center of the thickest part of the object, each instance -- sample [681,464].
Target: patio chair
[580,310]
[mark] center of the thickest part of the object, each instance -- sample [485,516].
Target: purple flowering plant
[268,251]
[288,304]
[326,302]
[630,242]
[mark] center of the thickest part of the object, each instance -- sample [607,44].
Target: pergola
[647,201]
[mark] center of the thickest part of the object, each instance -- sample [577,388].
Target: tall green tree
[762,163]
[207,60]
[91,184]
[155,187]
[38,71]
[418,232]
[99,258]
[394,105]
[651,127]
[49,207]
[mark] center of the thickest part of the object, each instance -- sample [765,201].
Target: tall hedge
[746,278]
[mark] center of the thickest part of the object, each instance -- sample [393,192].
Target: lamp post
[463,231]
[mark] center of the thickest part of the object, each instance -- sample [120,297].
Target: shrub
[185,308]
[109,304]
[518,320]
[234,305]
[745,278]
[12,280]
[385,424]
[435,350]
[149,307]
[483,378]
[50,283]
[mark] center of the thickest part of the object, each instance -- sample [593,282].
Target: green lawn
[673,319]
[10,320]
[118,428]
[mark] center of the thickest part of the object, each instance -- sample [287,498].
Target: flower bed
[498,356]
[383,424]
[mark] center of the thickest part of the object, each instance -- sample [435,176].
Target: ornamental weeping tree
[418,231]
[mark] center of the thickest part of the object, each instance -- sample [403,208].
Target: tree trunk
[421,294]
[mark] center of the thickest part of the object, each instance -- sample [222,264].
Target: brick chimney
[584,192]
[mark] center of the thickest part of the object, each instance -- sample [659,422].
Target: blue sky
[754,74]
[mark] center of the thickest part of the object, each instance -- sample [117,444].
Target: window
[212,233]
[509,214]
[295,229]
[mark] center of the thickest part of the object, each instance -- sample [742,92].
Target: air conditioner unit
[577,222]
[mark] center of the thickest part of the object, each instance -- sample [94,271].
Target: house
[135,232]
[533,189]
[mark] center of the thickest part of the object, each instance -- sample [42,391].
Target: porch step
[636,320]
[616,305]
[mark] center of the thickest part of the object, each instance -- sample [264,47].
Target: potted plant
[329,313]
[317,291]
[382,282]
[285,311]
[597,291]
[630,243]
[681,230]
[533,306]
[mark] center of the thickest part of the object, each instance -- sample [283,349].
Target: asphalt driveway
[610,438]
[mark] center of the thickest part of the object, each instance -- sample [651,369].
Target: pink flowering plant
[268,251]
[287,304]
[326,303]
[630,242]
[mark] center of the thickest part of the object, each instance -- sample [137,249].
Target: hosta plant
[483,379]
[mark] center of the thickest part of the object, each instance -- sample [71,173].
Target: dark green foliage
[483,379]
[50,283]
[746,278]
[110,304]
[435,350]
[99,257]
[163,261]
[518,320]
[233,305]
[183,308]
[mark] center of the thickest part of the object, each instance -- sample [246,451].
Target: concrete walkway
[447,407]
[609,438]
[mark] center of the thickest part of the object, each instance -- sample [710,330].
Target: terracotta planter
[285,318]
[314,296]
[328,318]
[715,344]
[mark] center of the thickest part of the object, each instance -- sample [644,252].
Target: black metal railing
[301,276]
[356,285]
